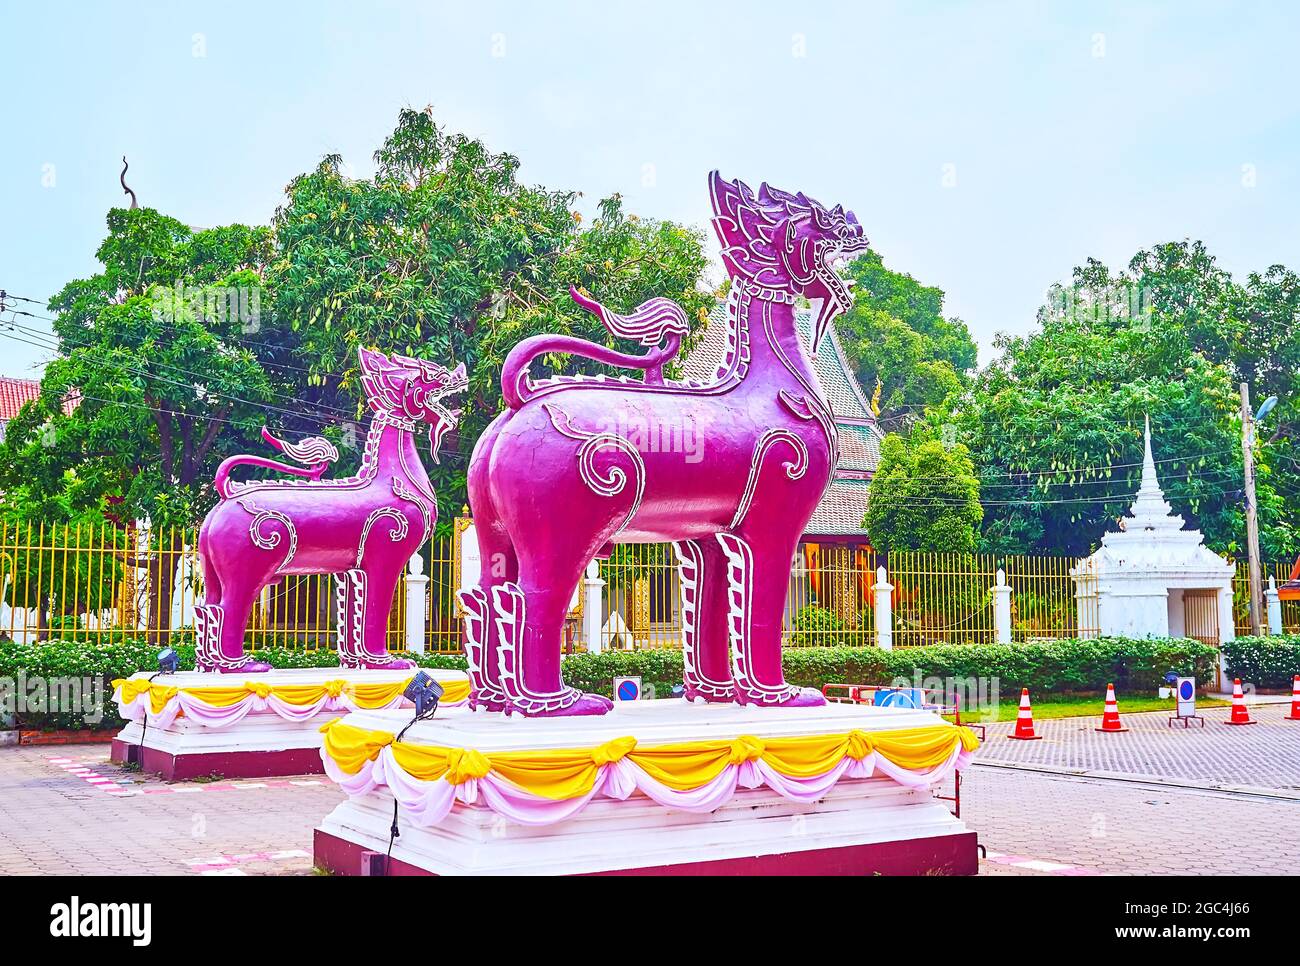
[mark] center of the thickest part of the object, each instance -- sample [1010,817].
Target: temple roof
[841,510]
[845,503]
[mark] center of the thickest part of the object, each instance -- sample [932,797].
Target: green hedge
[1266,662]
[1067,665]
[107,660]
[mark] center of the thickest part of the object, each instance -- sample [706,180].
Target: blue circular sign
[896,699]
[628,691]
[1185,690]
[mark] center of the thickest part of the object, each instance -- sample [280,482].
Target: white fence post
[593,606]
[417,585]
[1274,608]
[884,610]
[1002,608]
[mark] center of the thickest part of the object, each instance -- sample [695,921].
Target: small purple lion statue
[563,473]
[362,529]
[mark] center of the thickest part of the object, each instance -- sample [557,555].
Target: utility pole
[1252,523]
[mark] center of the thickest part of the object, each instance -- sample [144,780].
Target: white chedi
[1153,577]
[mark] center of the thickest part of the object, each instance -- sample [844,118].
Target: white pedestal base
[259,745]
[859,827]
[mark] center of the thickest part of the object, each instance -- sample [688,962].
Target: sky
[986,148]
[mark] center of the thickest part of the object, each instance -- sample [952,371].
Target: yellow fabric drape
[132,688]
[366,694]
[352,747]
[563,773]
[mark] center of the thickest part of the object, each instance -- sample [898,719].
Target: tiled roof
[710,347]
[859,447]
[15,393]
[841,510]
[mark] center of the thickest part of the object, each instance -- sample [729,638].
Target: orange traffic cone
[1240,713]
[1110,717]
[1025,720]
[1295,700]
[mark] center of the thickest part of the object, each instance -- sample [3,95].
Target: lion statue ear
[406,362]
[372,362]
[743,227]
[798,252]
[381,380]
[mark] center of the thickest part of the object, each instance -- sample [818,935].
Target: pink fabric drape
[426,803]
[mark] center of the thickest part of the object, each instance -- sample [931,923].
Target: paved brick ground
[1034,823]
[57,817]
[1260,756]
[68,810]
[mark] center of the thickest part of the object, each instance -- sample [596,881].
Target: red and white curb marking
[128,786]
[1039,865]
[229,864]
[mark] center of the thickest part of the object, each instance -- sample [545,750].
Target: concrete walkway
[1151,801]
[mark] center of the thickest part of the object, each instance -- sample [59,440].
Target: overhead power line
[452,456]
[48,337]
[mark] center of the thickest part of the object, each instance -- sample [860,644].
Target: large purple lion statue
[558,478]
[363,529]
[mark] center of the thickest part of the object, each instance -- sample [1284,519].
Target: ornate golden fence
[828,599]
[1045,602]
[104,582]
[942,598]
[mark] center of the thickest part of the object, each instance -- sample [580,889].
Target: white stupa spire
[1150,511]
[1134,584]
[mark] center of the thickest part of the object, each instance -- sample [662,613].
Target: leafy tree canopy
[1055,423]
[152,385]
[445,255]
[897,333]
[186,342]
[924,496]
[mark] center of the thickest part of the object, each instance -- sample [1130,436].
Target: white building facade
[1153,577]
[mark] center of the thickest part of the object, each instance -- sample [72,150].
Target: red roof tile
[15,393]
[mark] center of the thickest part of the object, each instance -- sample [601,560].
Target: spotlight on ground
[423,692]
[169,661]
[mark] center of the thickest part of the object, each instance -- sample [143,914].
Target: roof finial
[125,190]
[1148,461]
[1149,510]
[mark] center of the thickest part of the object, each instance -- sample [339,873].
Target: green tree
[897,333]
[152,351]
[445,255]
[187,342]
[1055,423]
[924,496]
